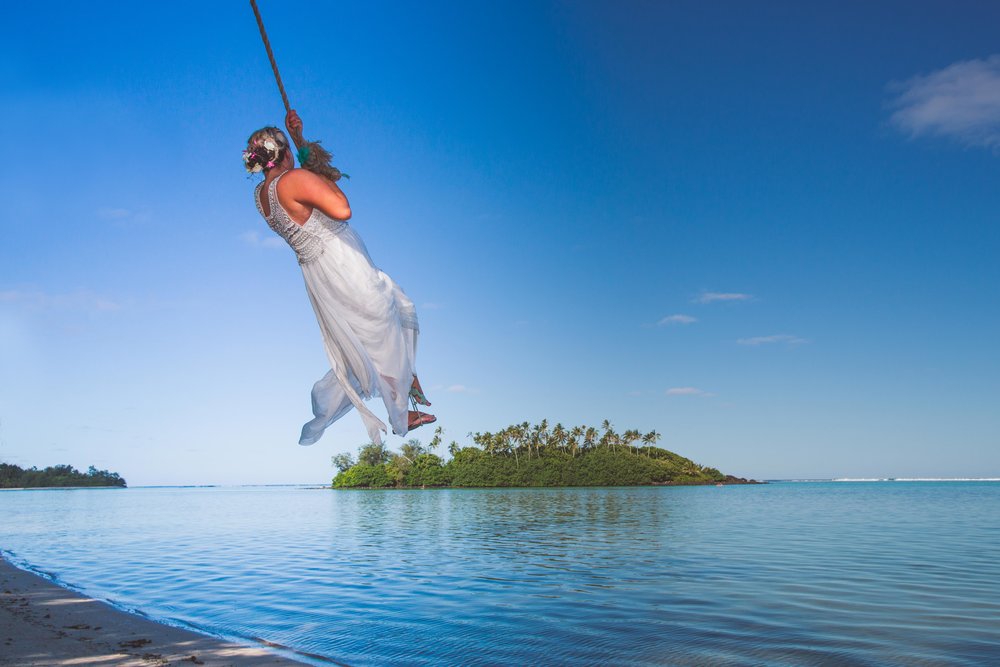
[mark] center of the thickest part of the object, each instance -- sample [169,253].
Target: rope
[270,55]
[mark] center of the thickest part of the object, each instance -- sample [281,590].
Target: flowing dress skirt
[369,329]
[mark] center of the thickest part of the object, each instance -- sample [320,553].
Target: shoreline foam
[42,623]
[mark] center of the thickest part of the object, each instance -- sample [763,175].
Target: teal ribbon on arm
[303,155]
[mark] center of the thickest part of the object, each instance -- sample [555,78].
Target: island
[61,476]
[525,455]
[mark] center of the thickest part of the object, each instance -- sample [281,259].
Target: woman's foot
[417,393]
[418,419]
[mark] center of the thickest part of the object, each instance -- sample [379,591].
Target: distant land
[15,477]
[524,455]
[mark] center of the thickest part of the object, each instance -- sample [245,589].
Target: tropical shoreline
[728,481]
[527,456]
[42,623]
[55,488]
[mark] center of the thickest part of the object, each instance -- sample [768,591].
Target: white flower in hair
[247,155]
[270,145]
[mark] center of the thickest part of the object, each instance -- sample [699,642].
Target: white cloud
[461,389]
[677,319]
[687,391]
[767,340]
[961,102]
[113,213]
[106,304]
[254,238]
[711,297]
[79,300]
[123,217]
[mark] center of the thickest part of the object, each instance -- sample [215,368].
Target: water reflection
[785,574]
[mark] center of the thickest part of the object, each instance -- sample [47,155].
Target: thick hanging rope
[311,155]
[270,55]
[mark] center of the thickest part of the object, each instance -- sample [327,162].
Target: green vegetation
[15,477]
[526,455]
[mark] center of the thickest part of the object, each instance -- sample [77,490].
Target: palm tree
[534,438]
[488,443]
[631,436]
[575,434]
[558,437]
[436,440]
[498,443]
[650,439]
[543,433]
[512,444]
[609,436]
[509,438]
[485,441]
[524,435]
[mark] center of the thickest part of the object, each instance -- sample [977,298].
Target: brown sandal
[417,393]
[418,419]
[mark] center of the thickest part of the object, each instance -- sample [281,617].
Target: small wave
[798,481]
[916,479]
[948,479]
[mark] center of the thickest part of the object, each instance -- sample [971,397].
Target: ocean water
[837,573]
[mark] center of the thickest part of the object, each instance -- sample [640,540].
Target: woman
[369,325]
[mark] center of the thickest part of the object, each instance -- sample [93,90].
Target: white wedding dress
[369,325]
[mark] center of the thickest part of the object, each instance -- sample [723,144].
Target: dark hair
[260,157]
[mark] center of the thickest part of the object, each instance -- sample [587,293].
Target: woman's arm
[294,126]
[300,191]
[311,155]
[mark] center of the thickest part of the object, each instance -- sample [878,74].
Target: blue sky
[766,230]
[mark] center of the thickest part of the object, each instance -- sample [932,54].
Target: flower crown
[262,154]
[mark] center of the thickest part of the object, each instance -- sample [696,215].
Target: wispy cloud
[106,304]
[79,300]
[255,239]
[712,297]
[123,217]
[113,213]
[960,101]
[676,319]
[788,339]
[102,429]
[687,391]
[430,305]
[461,389]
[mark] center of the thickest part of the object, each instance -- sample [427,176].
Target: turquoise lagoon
[852,573]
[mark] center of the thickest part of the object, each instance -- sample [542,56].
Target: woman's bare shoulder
[299,179]
[307,183]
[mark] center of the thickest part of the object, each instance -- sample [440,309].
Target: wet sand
[44,624]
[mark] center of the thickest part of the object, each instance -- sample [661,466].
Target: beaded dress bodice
[307,240]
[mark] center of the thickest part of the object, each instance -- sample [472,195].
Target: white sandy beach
[42,624]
